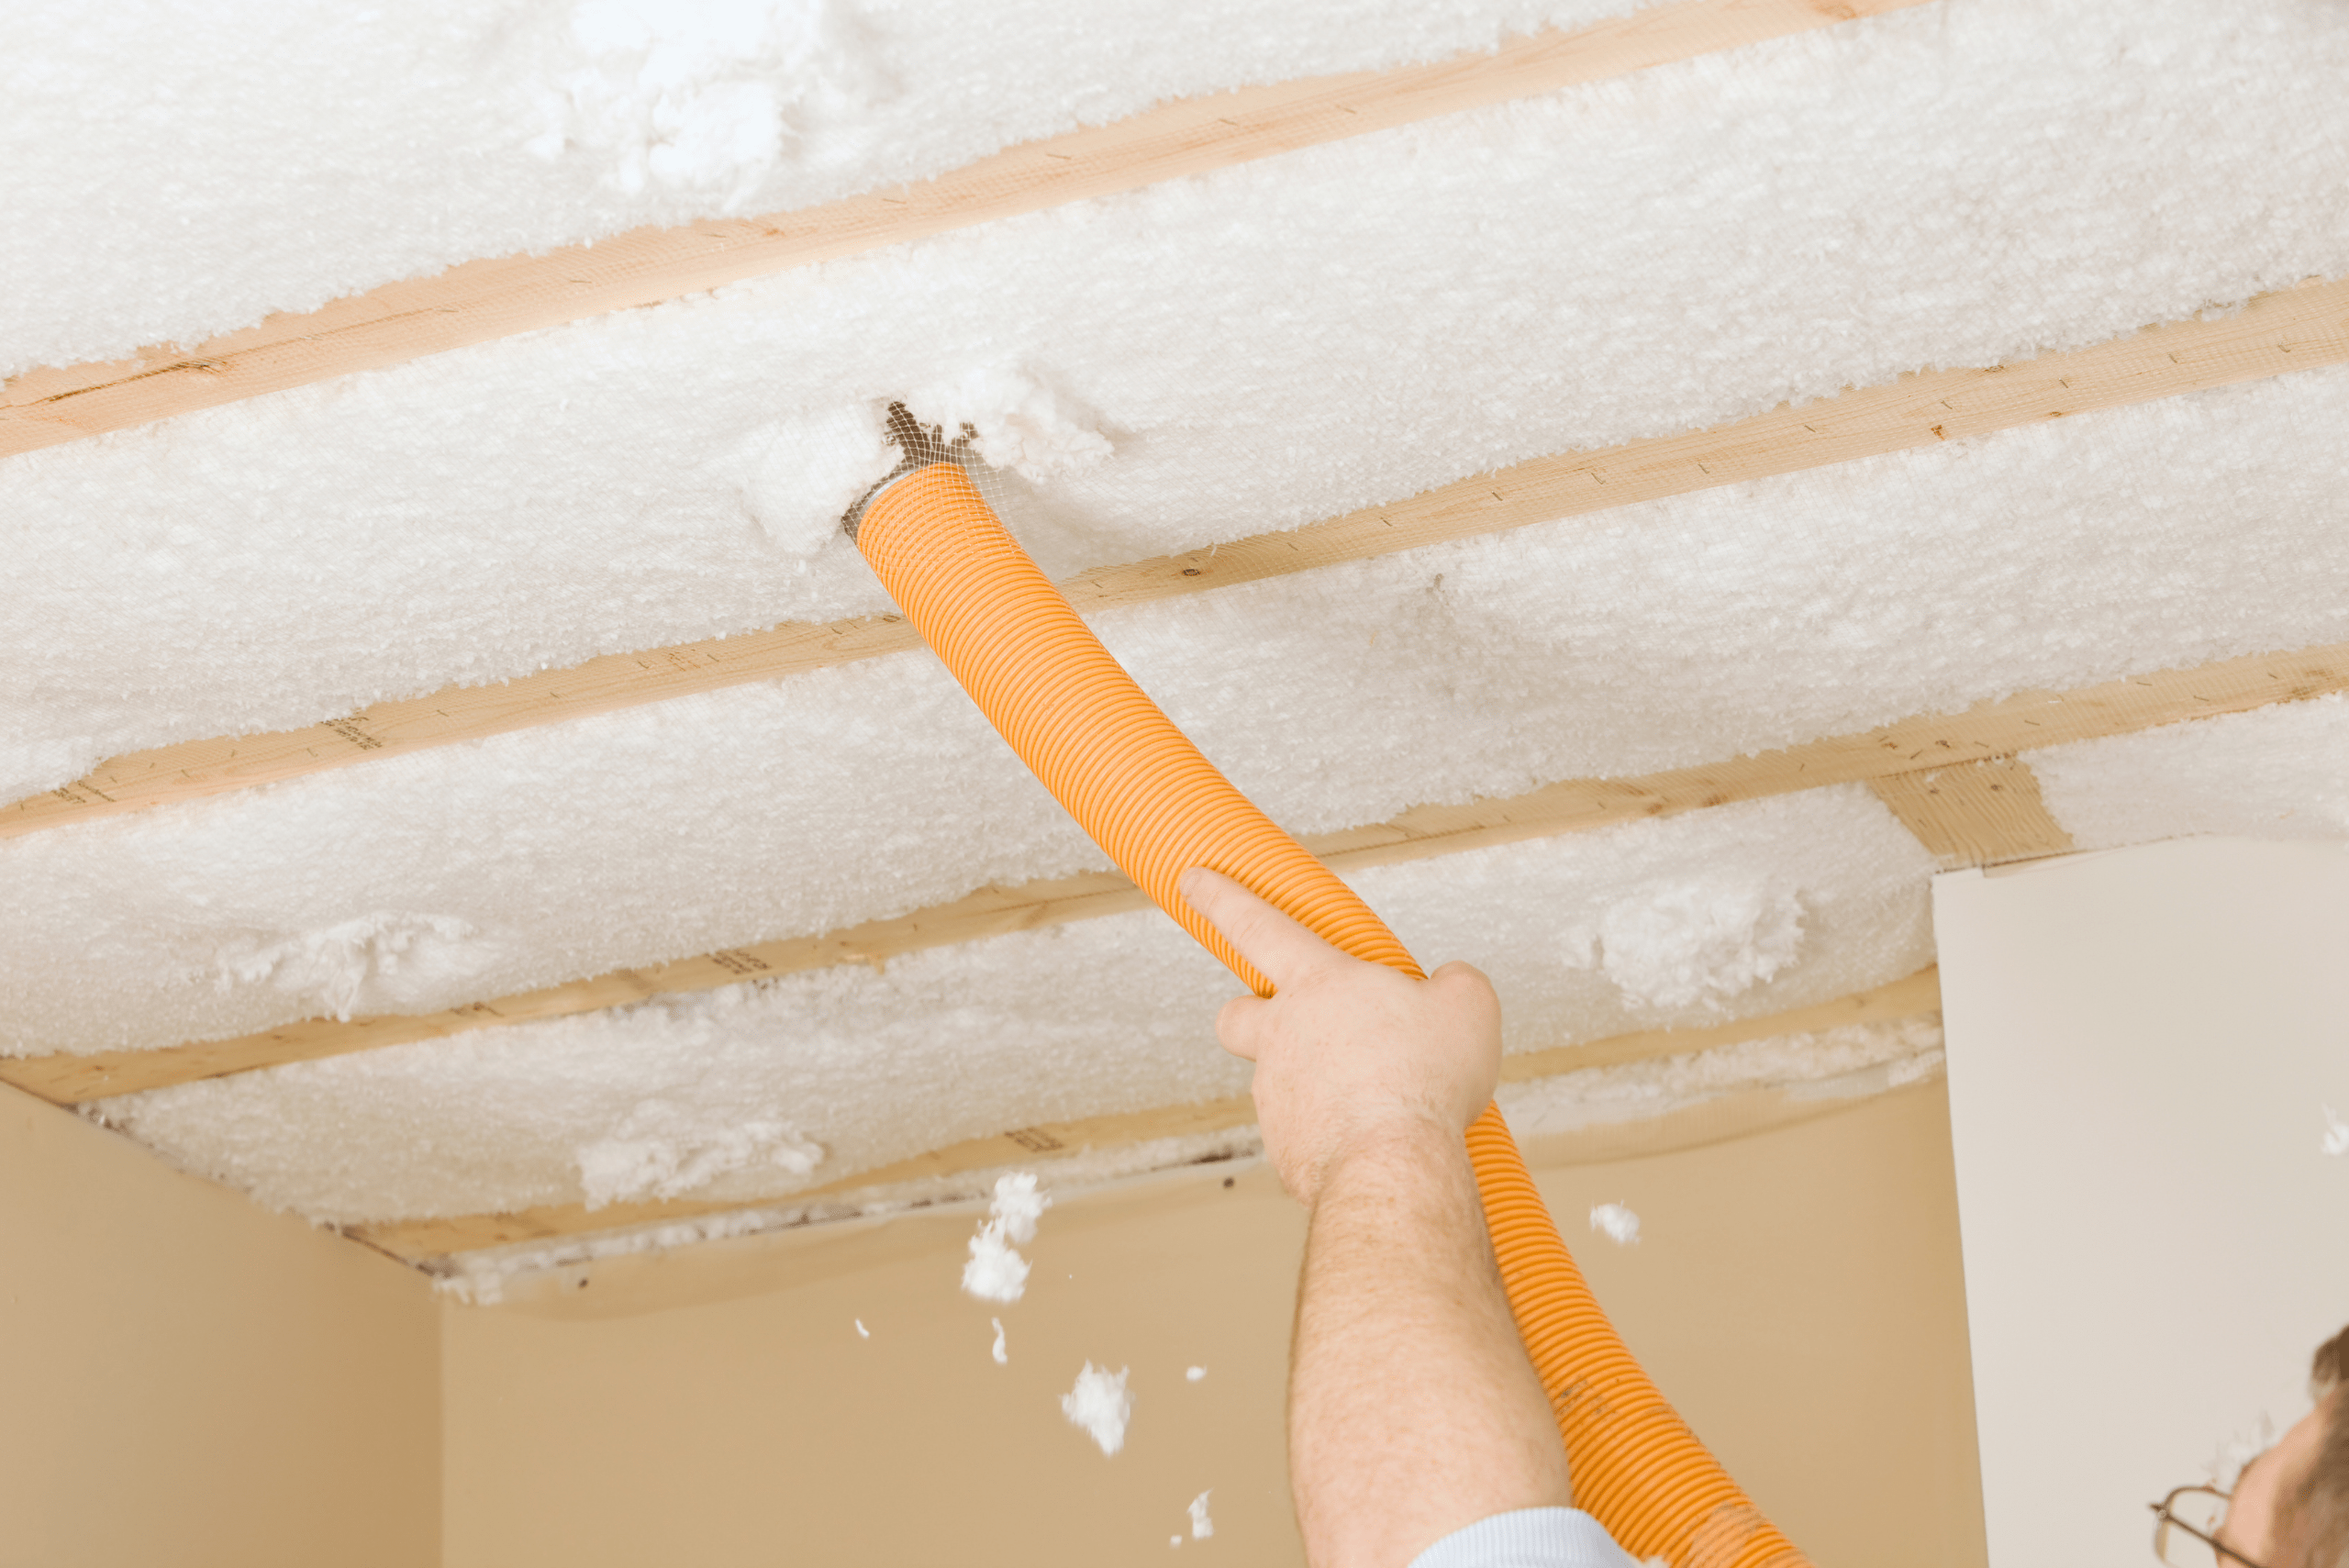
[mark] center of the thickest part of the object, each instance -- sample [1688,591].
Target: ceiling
[1610,499]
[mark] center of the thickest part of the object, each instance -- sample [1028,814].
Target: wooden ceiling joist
[2294,329]
[420,1240]
[1982,813]
[484,300]
[1938,745]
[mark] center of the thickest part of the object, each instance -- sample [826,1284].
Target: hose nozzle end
[921,445]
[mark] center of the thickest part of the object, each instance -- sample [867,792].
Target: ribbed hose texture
[1145,793]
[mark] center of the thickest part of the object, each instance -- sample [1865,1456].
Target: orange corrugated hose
[1146,795]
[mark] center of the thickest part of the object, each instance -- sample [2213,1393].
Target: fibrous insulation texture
[264,158]
[1842,1064]
[1961,183]
[1101,1017]
[2277,773]
[1656,636]
[1847,1061]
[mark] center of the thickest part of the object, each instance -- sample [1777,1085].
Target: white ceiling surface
[1957,183]
[1969,180]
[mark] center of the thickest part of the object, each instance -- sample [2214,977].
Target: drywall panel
[192,1381]
[1797,1291]
[2142,1045]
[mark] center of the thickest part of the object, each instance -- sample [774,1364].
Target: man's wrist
[1410,1140]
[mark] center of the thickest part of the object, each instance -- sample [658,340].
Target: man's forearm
[1413,1410]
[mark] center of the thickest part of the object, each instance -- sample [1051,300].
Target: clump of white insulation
[1619,1224]
[705,97]
[799,475]
[1958,183]
[996,1271]
[1015,422]
[1700,940]
[1100,1405]
[382,956]
[660,1150]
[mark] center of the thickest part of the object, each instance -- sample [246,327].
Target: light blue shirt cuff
[1529,1538]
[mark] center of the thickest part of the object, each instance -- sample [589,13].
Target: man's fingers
[1468,982]
[1282,951]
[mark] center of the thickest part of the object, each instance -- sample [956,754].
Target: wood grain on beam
[483,300]
[2296,329]
[1976,813]
[1036,1147]
[2019,723]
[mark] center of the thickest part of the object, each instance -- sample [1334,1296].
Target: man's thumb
[1241,1025]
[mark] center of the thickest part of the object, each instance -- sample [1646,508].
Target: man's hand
[1413,1411]
[1347,1053]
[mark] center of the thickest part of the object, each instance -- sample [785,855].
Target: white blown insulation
[1085,1019]
[1847,1063]
[1963,183]
[1651,636]
[2275,773]
[257,157]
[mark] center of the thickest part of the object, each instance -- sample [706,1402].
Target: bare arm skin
[1413,1410]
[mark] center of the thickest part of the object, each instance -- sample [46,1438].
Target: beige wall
[1799,1295]
[1797,1291]
[197,1383]
[2142,1047]
[191,1382]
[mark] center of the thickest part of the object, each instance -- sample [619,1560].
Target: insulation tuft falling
[1100,1405]
[996,1271]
